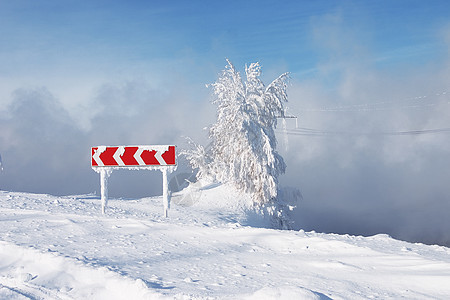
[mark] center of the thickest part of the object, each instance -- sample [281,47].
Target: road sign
[104,159]
[133,156]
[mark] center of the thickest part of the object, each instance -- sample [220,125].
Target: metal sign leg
[104,189]
[166,201]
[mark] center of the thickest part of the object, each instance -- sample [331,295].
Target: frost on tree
[243,142]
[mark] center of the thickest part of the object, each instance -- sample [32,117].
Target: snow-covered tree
[243,138]
[242,150]
[198,158]
[243,142]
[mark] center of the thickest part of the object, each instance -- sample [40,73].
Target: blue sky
[100,37]
[78,74]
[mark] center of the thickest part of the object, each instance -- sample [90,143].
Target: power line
[421,102]
[316,132]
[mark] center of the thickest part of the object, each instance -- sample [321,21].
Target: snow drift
[63,248]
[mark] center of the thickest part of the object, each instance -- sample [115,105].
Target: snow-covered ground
[63,248]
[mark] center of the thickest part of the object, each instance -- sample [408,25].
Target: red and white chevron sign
[133,156]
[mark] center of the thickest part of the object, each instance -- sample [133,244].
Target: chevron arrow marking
[133,156]
[120,151]
[137,157]
[160,159]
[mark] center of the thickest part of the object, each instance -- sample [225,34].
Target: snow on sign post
[105,159]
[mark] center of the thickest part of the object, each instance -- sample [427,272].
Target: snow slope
[63,248]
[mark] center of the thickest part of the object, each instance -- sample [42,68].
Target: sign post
[104,188]
[166,201]
[105,159]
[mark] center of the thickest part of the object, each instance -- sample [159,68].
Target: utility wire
[316,132]
[413,103]
[420,102]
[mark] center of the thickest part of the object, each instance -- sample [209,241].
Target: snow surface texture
[63,248]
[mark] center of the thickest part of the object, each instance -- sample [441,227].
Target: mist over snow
[137,76]
[46,148]
[373,182]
